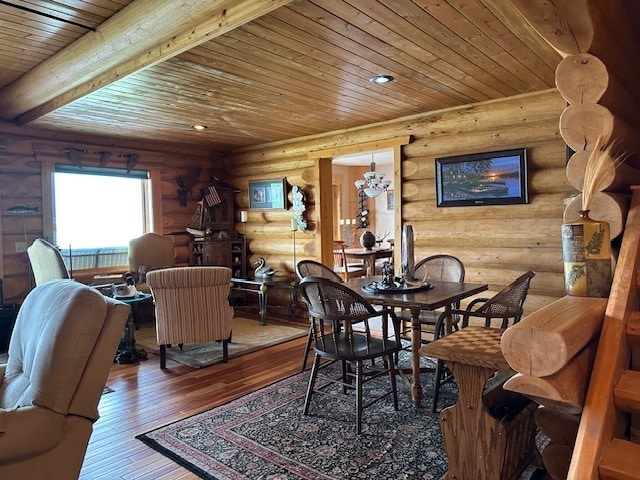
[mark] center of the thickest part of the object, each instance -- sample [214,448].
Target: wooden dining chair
[311,268]
[500,311]
[330,305]
[343,268]
[442,268]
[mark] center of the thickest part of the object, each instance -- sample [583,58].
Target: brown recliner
[60,354]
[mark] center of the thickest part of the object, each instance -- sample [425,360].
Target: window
[96,212]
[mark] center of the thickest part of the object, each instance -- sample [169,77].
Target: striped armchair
[192,306]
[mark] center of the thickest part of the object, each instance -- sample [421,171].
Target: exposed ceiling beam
[564,24]
[143,34]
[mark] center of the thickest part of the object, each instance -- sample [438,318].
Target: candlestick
[293,231]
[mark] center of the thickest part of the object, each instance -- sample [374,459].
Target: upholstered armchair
[46,262]
[60,353]
[192,306]
[149,252]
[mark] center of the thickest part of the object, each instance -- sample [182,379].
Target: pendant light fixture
[373,183]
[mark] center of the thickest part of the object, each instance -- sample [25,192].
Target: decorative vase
[367,240]
[586,252]
[407,259]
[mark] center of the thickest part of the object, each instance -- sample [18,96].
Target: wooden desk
[369,256]
[478,444]
[260,286]
[442,295]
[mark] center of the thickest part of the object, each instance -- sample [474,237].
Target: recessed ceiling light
[198,127]
[381,79]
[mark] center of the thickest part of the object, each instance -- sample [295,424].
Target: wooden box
[514,438]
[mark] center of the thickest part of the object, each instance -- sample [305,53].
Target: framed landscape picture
[490,178]
[268,194]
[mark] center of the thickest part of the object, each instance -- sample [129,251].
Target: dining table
[440,295]
[369,256]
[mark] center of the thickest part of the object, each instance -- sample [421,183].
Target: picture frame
[391,200]
[488,178]
[268,194]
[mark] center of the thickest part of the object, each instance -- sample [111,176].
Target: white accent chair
[46,262]
[148,252]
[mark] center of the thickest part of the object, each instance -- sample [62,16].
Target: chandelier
[373,183]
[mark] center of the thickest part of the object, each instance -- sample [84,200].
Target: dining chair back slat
[342,267]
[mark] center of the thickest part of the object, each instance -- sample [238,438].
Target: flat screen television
[488,178]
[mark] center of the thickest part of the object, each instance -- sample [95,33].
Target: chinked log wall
[496,243]
[22,159]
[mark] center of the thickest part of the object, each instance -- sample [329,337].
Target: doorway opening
[354,212]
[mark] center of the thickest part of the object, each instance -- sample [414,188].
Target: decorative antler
[186,183]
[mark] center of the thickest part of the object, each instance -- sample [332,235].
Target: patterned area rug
[248,336]
[264,435]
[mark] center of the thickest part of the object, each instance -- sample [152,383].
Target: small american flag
[211,196]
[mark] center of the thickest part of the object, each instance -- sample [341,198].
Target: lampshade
[372,192]
[373,183]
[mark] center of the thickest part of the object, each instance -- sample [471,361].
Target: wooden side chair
[332,304]
[311,268]
[500,311]
[443,268]
[343,268]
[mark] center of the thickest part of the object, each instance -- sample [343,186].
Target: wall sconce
[244,216]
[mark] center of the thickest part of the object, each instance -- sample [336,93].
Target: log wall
[496,243]
[21,183]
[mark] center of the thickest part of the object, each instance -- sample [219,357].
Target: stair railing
[600,421]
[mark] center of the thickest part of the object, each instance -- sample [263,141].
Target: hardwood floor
[145,397]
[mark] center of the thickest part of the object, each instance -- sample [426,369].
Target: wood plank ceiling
[301,69]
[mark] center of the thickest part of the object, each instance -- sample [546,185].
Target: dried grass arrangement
[596,170]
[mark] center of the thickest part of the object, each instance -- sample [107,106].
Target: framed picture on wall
[268,194]
[489,178]
[391,200]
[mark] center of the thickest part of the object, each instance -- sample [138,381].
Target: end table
[8,315]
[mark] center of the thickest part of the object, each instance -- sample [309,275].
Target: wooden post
[324,205]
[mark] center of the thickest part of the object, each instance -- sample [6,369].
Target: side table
[260,286]
[8,315]
[127,351]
